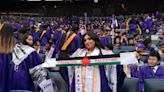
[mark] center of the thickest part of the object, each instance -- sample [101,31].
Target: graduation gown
[105,40]
[5,60]
[57,36]
[72,47]
[23,58]
[146,72]
[46,37]
[108,73]
[36,35]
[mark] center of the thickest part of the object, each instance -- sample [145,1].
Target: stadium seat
[162,58]
[130,85]
[128,48]
[153,85]
[116,50]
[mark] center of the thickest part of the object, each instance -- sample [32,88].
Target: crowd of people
[26,42]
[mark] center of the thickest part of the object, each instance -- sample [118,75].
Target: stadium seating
[130,85]
[153,85]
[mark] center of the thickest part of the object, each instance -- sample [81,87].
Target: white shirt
[155,69]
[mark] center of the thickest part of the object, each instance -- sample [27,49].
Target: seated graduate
[151,71]
[117,41]
[149,45]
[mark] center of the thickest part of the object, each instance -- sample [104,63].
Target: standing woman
[98,78]
[7,44]
[15,67]
[24,57]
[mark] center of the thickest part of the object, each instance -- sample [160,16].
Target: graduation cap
[140,45]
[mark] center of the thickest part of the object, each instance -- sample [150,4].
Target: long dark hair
[7,39]
[117,37]
[25,38]
[94,37]
[23,35]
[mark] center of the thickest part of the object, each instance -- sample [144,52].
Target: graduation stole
[84,79]
[38,50]
[38,27]
[65,45]
[20,53]
[42,34]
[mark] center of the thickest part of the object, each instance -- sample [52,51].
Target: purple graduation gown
[36,35]
[105,40]
[134,71]
[46,37]
[56,36]
[20,79]
[133,28]
[104,82]
[5,60]
[72,47]
[146,72]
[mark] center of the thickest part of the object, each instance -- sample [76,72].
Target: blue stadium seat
[130,85]
[128,48]
[153,85]
[162,58]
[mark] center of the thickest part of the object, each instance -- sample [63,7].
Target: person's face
[153,61]
[89,43]
[47,47]
[149,45]
[38,43]
[147,30]
[29,40]
[161,36]
[117,40]
[131,42]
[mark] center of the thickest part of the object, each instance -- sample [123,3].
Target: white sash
[84,79]
[78,79]
[20,53]
[89,79]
